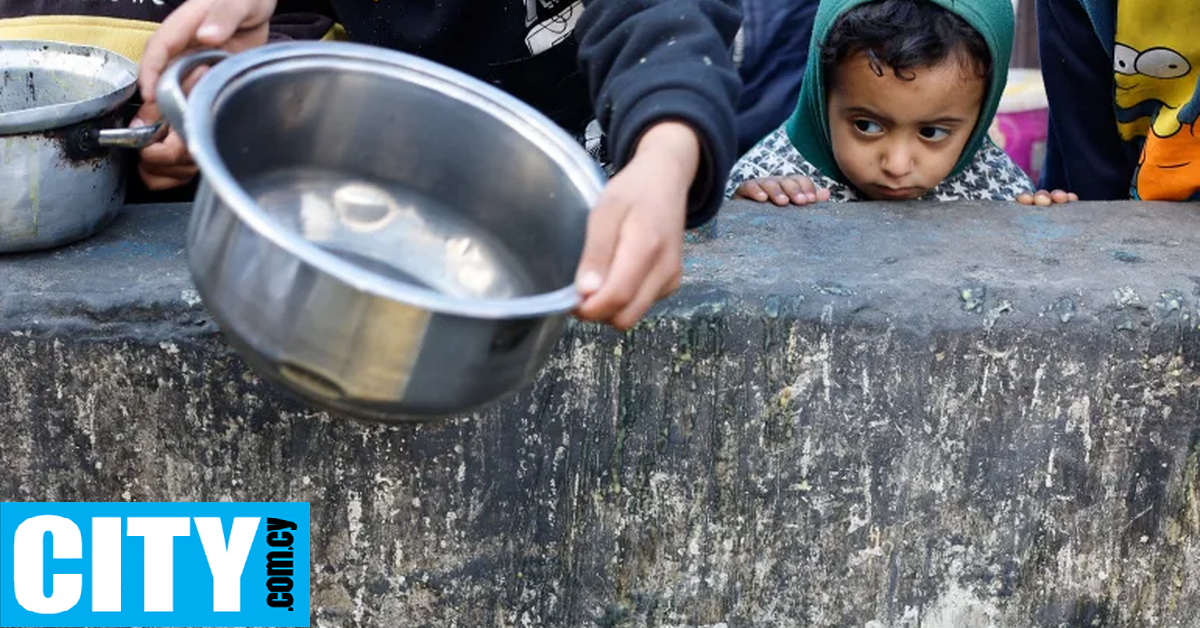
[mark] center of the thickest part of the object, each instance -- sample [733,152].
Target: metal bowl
[382,235]
[66,153]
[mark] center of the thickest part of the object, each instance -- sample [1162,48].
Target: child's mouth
[884,191]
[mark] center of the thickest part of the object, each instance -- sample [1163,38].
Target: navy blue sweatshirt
[776,35]
[1084,154]
[628,63]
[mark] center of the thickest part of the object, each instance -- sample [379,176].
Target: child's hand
[164,164]
[796,189]
[633,255]
[1042,198]
[232,25]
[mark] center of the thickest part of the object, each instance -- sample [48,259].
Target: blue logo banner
[154,564]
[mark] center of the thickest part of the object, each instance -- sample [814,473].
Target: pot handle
[138,138]
[171,99]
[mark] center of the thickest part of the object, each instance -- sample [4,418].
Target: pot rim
[205,99]
[119,73]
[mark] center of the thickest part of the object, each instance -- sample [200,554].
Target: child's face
[897,139]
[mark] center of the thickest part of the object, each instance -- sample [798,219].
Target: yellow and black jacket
[123,26]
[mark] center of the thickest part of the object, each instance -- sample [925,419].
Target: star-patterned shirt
[991,176]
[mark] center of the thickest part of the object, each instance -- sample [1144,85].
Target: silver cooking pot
[382,235]
[64,149]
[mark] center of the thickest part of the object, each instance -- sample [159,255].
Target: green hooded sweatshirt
[808,128]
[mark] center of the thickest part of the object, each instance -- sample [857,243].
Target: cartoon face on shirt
[1156,60]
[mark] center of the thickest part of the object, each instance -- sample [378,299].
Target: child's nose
[897,160]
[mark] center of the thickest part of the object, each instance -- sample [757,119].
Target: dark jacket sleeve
[1084,152]
[649,61]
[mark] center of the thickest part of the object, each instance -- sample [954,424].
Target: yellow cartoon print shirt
[1156,62]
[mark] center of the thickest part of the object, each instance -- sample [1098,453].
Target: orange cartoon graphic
[1155,61]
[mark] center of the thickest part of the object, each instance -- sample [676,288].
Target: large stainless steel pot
[382,235]
[64,154]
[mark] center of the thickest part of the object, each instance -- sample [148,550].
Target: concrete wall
[952,416]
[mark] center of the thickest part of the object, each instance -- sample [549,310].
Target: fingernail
[208,31]
[812,196]
[136,122]
[589,282]
[781,198]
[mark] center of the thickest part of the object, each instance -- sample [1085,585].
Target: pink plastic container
[1020,124]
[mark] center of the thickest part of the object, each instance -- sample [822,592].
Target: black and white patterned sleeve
[991,176]
[775,156]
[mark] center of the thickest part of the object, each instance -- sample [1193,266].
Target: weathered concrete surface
[951,416]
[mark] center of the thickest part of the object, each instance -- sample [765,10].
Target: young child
[657,74]
[895,105]
[1121,80]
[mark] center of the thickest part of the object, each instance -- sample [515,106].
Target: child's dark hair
[903,35]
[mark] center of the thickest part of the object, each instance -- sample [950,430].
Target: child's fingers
[781,191]
[775,191]
[175,35]
[799,189]
[751,190]
[809,188]
[791,187]
[1042,198]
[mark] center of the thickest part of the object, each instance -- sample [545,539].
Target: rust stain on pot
[78,145]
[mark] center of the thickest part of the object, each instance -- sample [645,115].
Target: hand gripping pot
[382,235]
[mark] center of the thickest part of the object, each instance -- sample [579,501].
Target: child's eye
[868,127]
[934,133]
